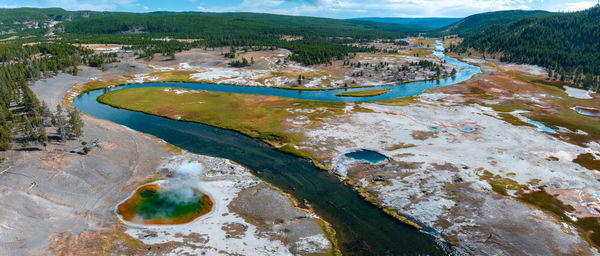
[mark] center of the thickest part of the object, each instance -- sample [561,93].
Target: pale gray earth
[50,191]
[435,176]
[56,202]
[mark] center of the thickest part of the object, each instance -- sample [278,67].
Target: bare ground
[56,202]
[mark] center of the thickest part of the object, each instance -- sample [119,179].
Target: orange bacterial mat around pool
[153,205]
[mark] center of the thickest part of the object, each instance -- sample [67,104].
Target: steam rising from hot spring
[184,186]
[176,200]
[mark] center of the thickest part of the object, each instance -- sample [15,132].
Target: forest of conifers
[566,43]
[312,40]
[22,116]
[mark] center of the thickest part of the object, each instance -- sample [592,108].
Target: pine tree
[45,111]
[75,124]
[60,122]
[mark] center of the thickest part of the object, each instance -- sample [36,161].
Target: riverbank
[474,119]
[80,192]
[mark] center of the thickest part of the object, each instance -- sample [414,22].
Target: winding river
[362,229]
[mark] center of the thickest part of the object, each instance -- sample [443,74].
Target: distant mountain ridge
[418,22]
[36,20]
[200,23]
[481,21]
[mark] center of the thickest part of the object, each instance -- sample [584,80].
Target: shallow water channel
[362,229]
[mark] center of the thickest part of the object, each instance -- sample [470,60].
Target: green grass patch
[274,138]
[548,203]
[500,184]
[506,117]
[573,121]
[174,76]
[99,84]
[173,148]
[399,146]
[292,150]
[365,93]
[589,227]
[112,239]
[556,86]
[588,161]
[501,108]
[258,116]
[404,101]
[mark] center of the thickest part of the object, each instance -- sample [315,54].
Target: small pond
[367,155]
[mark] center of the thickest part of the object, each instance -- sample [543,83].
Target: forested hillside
[568,43]
[419,23]
[33,21]
[312,40]
[232,25]
[478,22]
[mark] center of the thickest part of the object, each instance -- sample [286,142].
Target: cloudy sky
[322,8]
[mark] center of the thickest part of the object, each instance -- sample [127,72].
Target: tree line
[567,44]
[312,40]
[23,119]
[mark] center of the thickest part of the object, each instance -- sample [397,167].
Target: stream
[362,229]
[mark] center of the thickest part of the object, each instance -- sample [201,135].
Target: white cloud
[579,6]
[93,5]
[261,3]
[389,8]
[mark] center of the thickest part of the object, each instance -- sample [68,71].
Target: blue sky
[321,8]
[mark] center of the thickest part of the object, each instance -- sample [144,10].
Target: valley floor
[498,165]
[463,160]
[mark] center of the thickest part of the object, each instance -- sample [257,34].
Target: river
[362,229]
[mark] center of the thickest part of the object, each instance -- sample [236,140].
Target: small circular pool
[152,204]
